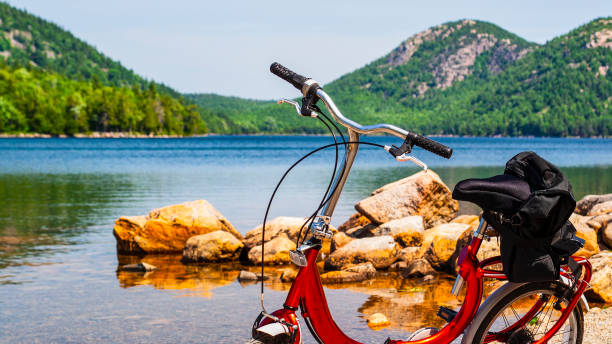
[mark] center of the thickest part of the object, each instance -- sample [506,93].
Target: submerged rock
[422,194]
[381,251]
[378,320]
[354,273]
[418,268]
[167,229]
[246,276]
[140,267]
[217,246]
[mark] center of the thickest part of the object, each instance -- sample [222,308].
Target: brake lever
[297,106]
[403,157]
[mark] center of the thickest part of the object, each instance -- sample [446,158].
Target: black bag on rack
[536,236]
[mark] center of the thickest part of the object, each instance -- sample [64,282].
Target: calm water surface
[59,198]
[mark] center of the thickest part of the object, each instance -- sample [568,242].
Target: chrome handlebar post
[354,129]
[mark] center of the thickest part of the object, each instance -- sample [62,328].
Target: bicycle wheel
[528,313]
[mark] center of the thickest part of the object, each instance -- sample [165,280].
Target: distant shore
[128,135]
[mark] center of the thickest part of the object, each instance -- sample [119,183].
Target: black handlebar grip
[286,74]
[430,145]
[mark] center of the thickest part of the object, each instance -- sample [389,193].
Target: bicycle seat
[502,193]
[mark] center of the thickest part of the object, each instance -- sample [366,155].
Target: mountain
[52,82]
[471,78]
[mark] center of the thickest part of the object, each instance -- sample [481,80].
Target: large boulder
[422,194]
[167,229]
[282,225]
[440,244]
[601,281]
[354,273]
[215,246]
[407,231]
[584,231]
[276,251]
[583,207]
[381,251]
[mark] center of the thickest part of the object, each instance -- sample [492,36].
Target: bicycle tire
[556,289]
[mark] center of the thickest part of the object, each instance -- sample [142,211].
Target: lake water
[60,197]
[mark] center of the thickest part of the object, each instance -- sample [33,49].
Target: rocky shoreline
[409,226]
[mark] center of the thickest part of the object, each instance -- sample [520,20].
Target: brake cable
[336,144]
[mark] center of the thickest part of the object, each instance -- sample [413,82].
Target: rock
[606,235]
[441,245]
[246,276]
[587,233]
[488,249]
[471,220]
[166,229]
[423,194]
[356,220]
[599,221]
[428,278]
[381,251]
[378,320]
[354,273]
[418,268]
[282,225]
[217,246]
[583,207]
[340,239]
[276,251]
[601,281]
[398,266]
[408,254]
[362,232]
[601,209]
[140,267]
[288,275]
[407,231]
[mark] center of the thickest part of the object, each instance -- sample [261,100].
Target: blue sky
[226,47]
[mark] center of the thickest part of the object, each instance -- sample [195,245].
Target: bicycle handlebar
[288,75]
[302,84]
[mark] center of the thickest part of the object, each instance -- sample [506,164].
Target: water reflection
[409,304]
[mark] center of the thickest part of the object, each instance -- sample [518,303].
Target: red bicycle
[517,313]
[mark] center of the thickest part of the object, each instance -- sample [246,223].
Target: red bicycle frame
[307,293]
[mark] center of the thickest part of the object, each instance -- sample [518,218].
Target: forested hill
[467,78]
[52,82]
[26,39]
